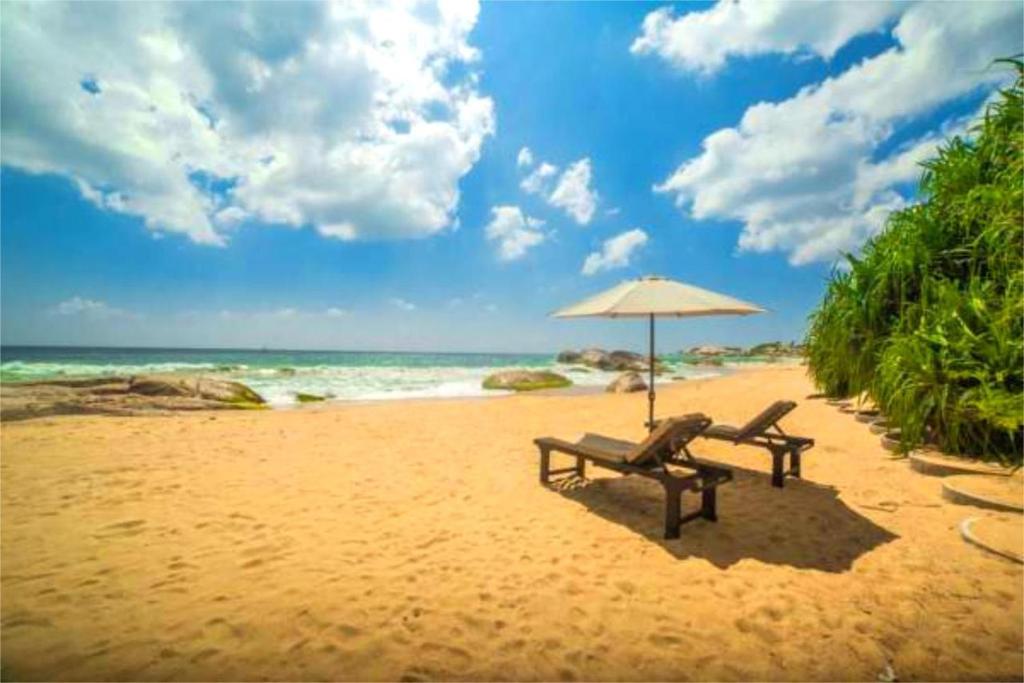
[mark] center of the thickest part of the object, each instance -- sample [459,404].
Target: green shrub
[929,319]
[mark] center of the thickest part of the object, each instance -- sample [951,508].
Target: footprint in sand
[131,527]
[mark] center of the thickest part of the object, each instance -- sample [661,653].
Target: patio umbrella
[650,297]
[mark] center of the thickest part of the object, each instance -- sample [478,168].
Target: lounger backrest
[765,419]
[668,432]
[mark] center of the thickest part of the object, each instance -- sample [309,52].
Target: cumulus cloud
[616,252]
[574,194]
[194,116]
[78,306]
[539,180]
[524,158]
[571,191]
[804,175]
[704,40]
[514,231]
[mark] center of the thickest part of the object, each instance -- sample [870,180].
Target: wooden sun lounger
[666,445]
[764,431]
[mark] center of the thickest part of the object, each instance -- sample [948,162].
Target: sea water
[279,376]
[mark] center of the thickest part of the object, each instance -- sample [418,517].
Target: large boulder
[569,357]
[627,383]
[595,358]
[626,360]
[211,389]
[526,380]
[140,395]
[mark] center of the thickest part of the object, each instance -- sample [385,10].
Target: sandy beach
[411,540]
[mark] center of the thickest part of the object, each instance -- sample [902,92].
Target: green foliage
[929,319]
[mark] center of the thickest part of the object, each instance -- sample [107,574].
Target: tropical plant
[928,320]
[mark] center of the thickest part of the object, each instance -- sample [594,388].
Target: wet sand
[412,540]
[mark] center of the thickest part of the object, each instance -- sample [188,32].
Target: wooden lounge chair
[764,431]
[666,445]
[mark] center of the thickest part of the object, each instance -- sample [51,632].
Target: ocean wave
[280,383]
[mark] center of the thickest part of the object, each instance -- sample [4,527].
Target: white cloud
[703,40]
[514,231]
[804,175]
[402,304]
[333,312]
[89,308]
[194,116]
[539,180]
[574,194]
[571,192]
[524,158]
[616,252]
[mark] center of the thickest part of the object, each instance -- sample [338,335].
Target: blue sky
[313,176]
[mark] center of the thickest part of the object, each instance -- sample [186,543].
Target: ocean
[279,375]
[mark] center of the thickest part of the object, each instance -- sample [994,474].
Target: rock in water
[594,357]
[569,357]
[140,395]
[627,383]
[220,390]
[526,380]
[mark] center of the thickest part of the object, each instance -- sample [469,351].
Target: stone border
[955,495]
[938,465]
[968,535]
[891,441]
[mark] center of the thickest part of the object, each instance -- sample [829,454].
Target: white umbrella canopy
[657,296]
[650,297]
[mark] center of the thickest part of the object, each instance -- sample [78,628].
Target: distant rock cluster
[137,395]
[609,361]
[771,349]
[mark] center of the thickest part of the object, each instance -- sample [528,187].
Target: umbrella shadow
[805,525]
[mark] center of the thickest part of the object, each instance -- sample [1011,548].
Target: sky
[441,177]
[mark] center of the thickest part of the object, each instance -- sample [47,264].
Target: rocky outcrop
[139,395]
[711,350]
[626,383]
[609,361]
[568,357]
[526,380]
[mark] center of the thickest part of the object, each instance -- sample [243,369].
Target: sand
[412,540]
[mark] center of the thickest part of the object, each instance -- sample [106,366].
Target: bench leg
[673,496]
[778,468]
[545,465]
[794,463]
[708,504]
[581,467]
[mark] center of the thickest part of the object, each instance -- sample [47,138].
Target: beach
[411,540]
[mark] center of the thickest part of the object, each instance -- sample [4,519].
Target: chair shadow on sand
[805,525]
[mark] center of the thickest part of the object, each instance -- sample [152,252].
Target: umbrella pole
[650,393]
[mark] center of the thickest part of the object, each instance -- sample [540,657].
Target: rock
[308,398]
[627,382]
[220,390]
[626,360]
[593,357]
[163,385]
[614,361]
[526,380]
[569,357]
[141,395]
[708,350]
